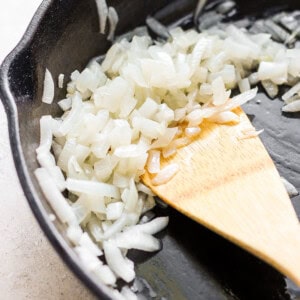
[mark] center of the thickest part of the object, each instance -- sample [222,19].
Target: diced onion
[153,226]
[134,239]
[93,188]
[113,19]
[61,78]
[165,174]
[102,14]
[54,196]
[292,107]
[49,89]
[65,104]
[45,134]
[119,265]
[225,117]
[192,131]
[153,165]
[291,190]
[114,210]
[290,93]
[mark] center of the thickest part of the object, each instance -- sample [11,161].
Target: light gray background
[29,267]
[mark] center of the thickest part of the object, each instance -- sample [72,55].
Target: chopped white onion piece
[206,89]
[270,87]
[65,104]
[253,78]
[49,89]
[130,196]
[180,142]
[45,134]
[291,92]
[197,54]
[92,188]
[225,117]
[114,210]
[220,95]
[136,239]
[93,264]
[102,14]
[166,174]
[116,227]
[54,197]
[275,71]
[169,151]
[86,242]
[240,99]
[154,226]
[192,131]
[88,81]
[74,233]
[89,259]
[95,229]
[251,133]
[72,118]
[148,109]
[290,188]
[118,264]
[132,150]
[61,78]
[292,107]
[142,188]
[113,19]
[153,164]
[244,85]
[104,274]
[148,128]
[128,294]
[165,140]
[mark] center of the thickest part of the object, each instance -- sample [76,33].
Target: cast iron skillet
[194,262]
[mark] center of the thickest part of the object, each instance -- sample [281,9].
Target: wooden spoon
[231,186]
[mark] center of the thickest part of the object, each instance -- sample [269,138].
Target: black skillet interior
[194,262]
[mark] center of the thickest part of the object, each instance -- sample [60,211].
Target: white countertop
[29,266]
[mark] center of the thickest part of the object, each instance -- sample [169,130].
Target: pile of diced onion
[143,102]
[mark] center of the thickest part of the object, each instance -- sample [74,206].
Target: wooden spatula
[231,186]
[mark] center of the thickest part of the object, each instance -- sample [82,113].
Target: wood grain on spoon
[231,186]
